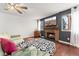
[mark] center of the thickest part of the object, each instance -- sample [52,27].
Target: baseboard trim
[67,43]
[63,42]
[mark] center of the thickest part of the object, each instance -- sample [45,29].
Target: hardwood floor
[66,50]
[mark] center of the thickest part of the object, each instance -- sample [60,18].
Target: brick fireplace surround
[54,33]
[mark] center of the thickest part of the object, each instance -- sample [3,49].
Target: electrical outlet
[68,38]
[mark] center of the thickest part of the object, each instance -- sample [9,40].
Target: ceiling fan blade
[18,11]
[6,9]
[9,3]
[23,7]
[12,4]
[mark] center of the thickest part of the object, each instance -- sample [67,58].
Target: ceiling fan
[16,6]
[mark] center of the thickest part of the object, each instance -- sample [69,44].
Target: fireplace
[52,34]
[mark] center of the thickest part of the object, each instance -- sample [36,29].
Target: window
[38,25]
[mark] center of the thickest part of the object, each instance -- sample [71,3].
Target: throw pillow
[8,46]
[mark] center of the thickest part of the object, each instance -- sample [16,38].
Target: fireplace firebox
[51,36]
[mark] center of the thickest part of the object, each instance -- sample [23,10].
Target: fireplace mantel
[52,30]
[51,27]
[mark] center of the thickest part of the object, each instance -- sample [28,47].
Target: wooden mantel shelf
[53,27]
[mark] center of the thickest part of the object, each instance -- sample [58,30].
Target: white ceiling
[39,10]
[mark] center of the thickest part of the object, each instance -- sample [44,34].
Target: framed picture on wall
[50,21]
[66,22]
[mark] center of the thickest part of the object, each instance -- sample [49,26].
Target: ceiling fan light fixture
[17,7]
[12,8]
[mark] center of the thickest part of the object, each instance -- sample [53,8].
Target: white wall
[15,24]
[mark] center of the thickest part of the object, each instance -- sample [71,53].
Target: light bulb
[11,7]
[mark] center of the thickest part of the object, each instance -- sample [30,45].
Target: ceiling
[39,10]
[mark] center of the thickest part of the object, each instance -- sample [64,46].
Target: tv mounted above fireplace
[50,21]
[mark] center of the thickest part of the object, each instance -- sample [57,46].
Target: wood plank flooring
[66,50]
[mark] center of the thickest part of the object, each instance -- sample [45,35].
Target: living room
[47,26]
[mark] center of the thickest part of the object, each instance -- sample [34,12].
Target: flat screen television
[50,21]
